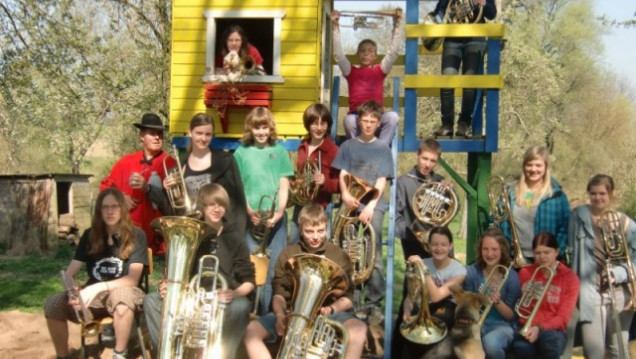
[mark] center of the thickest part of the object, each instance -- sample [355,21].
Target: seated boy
[366,82]
[313,228]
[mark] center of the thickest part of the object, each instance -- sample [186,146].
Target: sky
[619,43]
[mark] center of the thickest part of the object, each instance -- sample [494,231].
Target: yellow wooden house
[293,41]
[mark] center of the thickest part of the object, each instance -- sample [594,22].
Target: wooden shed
[291,38]
[36,210]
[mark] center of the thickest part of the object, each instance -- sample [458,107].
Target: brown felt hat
[150,120]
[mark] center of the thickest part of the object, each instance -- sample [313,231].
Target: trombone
[617,251]
[500,212]
[90,326]
[491,286]
[533,294]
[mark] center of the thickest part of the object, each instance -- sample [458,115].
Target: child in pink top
[366,81]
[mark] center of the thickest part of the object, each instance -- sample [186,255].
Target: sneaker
[444,130]
[462,129]
[120,355]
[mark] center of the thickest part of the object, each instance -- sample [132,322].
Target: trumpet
[500,212]
[433,205]
[492,286]
[90,326]
[178,193]
[532,295]
[425,329]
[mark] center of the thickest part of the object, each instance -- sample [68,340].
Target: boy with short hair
[312,221]
[367,158]
[366,82]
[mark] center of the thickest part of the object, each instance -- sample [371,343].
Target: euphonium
[356,238]
[424,329]
[178,193]
[183,236]
[302,189]
[90,326]
[533,293]
[617,250]
[433,205]
[500,212]
[457,12]
[309,335]
[202,313]
[492,285]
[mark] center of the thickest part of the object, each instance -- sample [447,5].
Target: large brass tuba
[183,236]
[356,238]
[617,250]
[308,334]
[457,12]
[302,189]
[533,293]
[424,329]
[178,193]
[493,284]
[433,205]
[500,212]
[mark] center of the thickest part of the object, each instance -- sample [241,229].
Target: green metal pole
[479,170]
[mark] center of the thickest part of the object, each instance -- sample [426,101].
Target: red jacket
[144,212]
[328,151]
[556,307]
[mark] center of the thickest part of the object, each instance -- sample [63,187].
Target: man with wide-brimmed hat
[131,175]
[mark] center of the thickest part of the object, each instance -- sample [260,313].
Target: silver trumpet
[532,295]
[493,285]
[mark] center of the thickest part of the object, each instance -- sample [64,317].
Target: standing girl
[264,167]
[319,148]
[203,165]
[538,204]
[499,326]
[588,262]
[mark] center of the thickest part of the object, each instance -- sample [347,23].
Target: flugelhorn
[178,193]
[433,205]
[424,329]
[500,212]
[90,326]
[260,231]
[302,189]
[617,250]
[308,334]
[533,293]
[491,286]
[355,237]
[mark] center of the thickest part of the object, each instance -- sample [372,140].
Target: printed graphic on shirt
[108,268]
[195,182]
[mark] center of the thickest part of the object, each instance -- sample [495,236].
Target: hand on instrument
[137,181]
[533,334]
[327,311]
[349,200]
[280,324]
[415,259]
[495,298]
[318,178]
[255,218]
[163,288]
[169,181]
[397,17]
[275,218]
[446,184]
[366,214]
[226,295]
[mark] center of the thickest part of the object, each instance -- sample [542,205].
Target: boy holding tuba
[313,228]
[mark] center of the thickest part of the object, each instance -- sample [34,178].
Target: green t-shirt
[261,170]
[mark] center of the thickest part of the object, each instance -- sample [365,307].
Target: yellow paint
[463,30]
[453,81]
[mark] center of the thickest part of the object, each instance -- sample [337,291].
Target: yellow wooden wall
[300,63]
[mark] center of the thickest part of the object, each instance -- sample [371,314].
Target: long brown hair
[200,119]
[98,232]
[504,248]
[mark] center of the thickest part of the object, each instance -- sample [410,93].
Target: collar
[362,141]
[417,175]
[148,161]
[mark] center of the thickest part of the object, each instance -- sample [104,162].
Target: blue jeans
[468,53]
[549,345]
[496,339]
[276,243]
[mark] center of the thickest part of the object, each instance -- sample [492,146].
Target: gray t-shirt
[524,223]
[441,276]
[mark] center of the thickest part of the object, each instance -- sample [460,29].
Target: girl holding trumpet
[503,289]
[589,262]
[554,288]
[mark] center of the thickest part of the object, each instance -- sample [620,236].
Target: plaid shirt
[552,216]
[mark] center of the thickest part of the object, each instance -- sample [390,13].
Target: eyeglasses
[319,124]
[107,208]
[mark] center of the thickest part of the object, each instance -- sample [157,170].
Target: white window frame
[210,42]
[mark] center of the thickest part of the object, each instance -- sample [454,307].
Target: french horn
[308,334]
[302,189]
[434,205]
[355,237]
[457,12]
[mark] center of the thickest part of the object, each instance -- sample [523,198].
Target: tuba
[178,194]
[302,189]
[90,326]
[500,212]
[308,334]
[533,293]
[183,236]
[492,285]
[425,329]
[433,205]
[457,12]
[357,239]
[617,250]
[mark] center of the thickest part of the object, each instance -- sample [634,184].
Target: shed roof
[58,177]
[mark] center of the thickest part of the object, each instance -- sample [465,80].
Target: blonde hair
[213,193]
[255,118]
[534,153]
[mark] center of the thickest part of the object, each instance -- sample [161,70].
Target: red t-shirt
[253,51]
[365,83]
